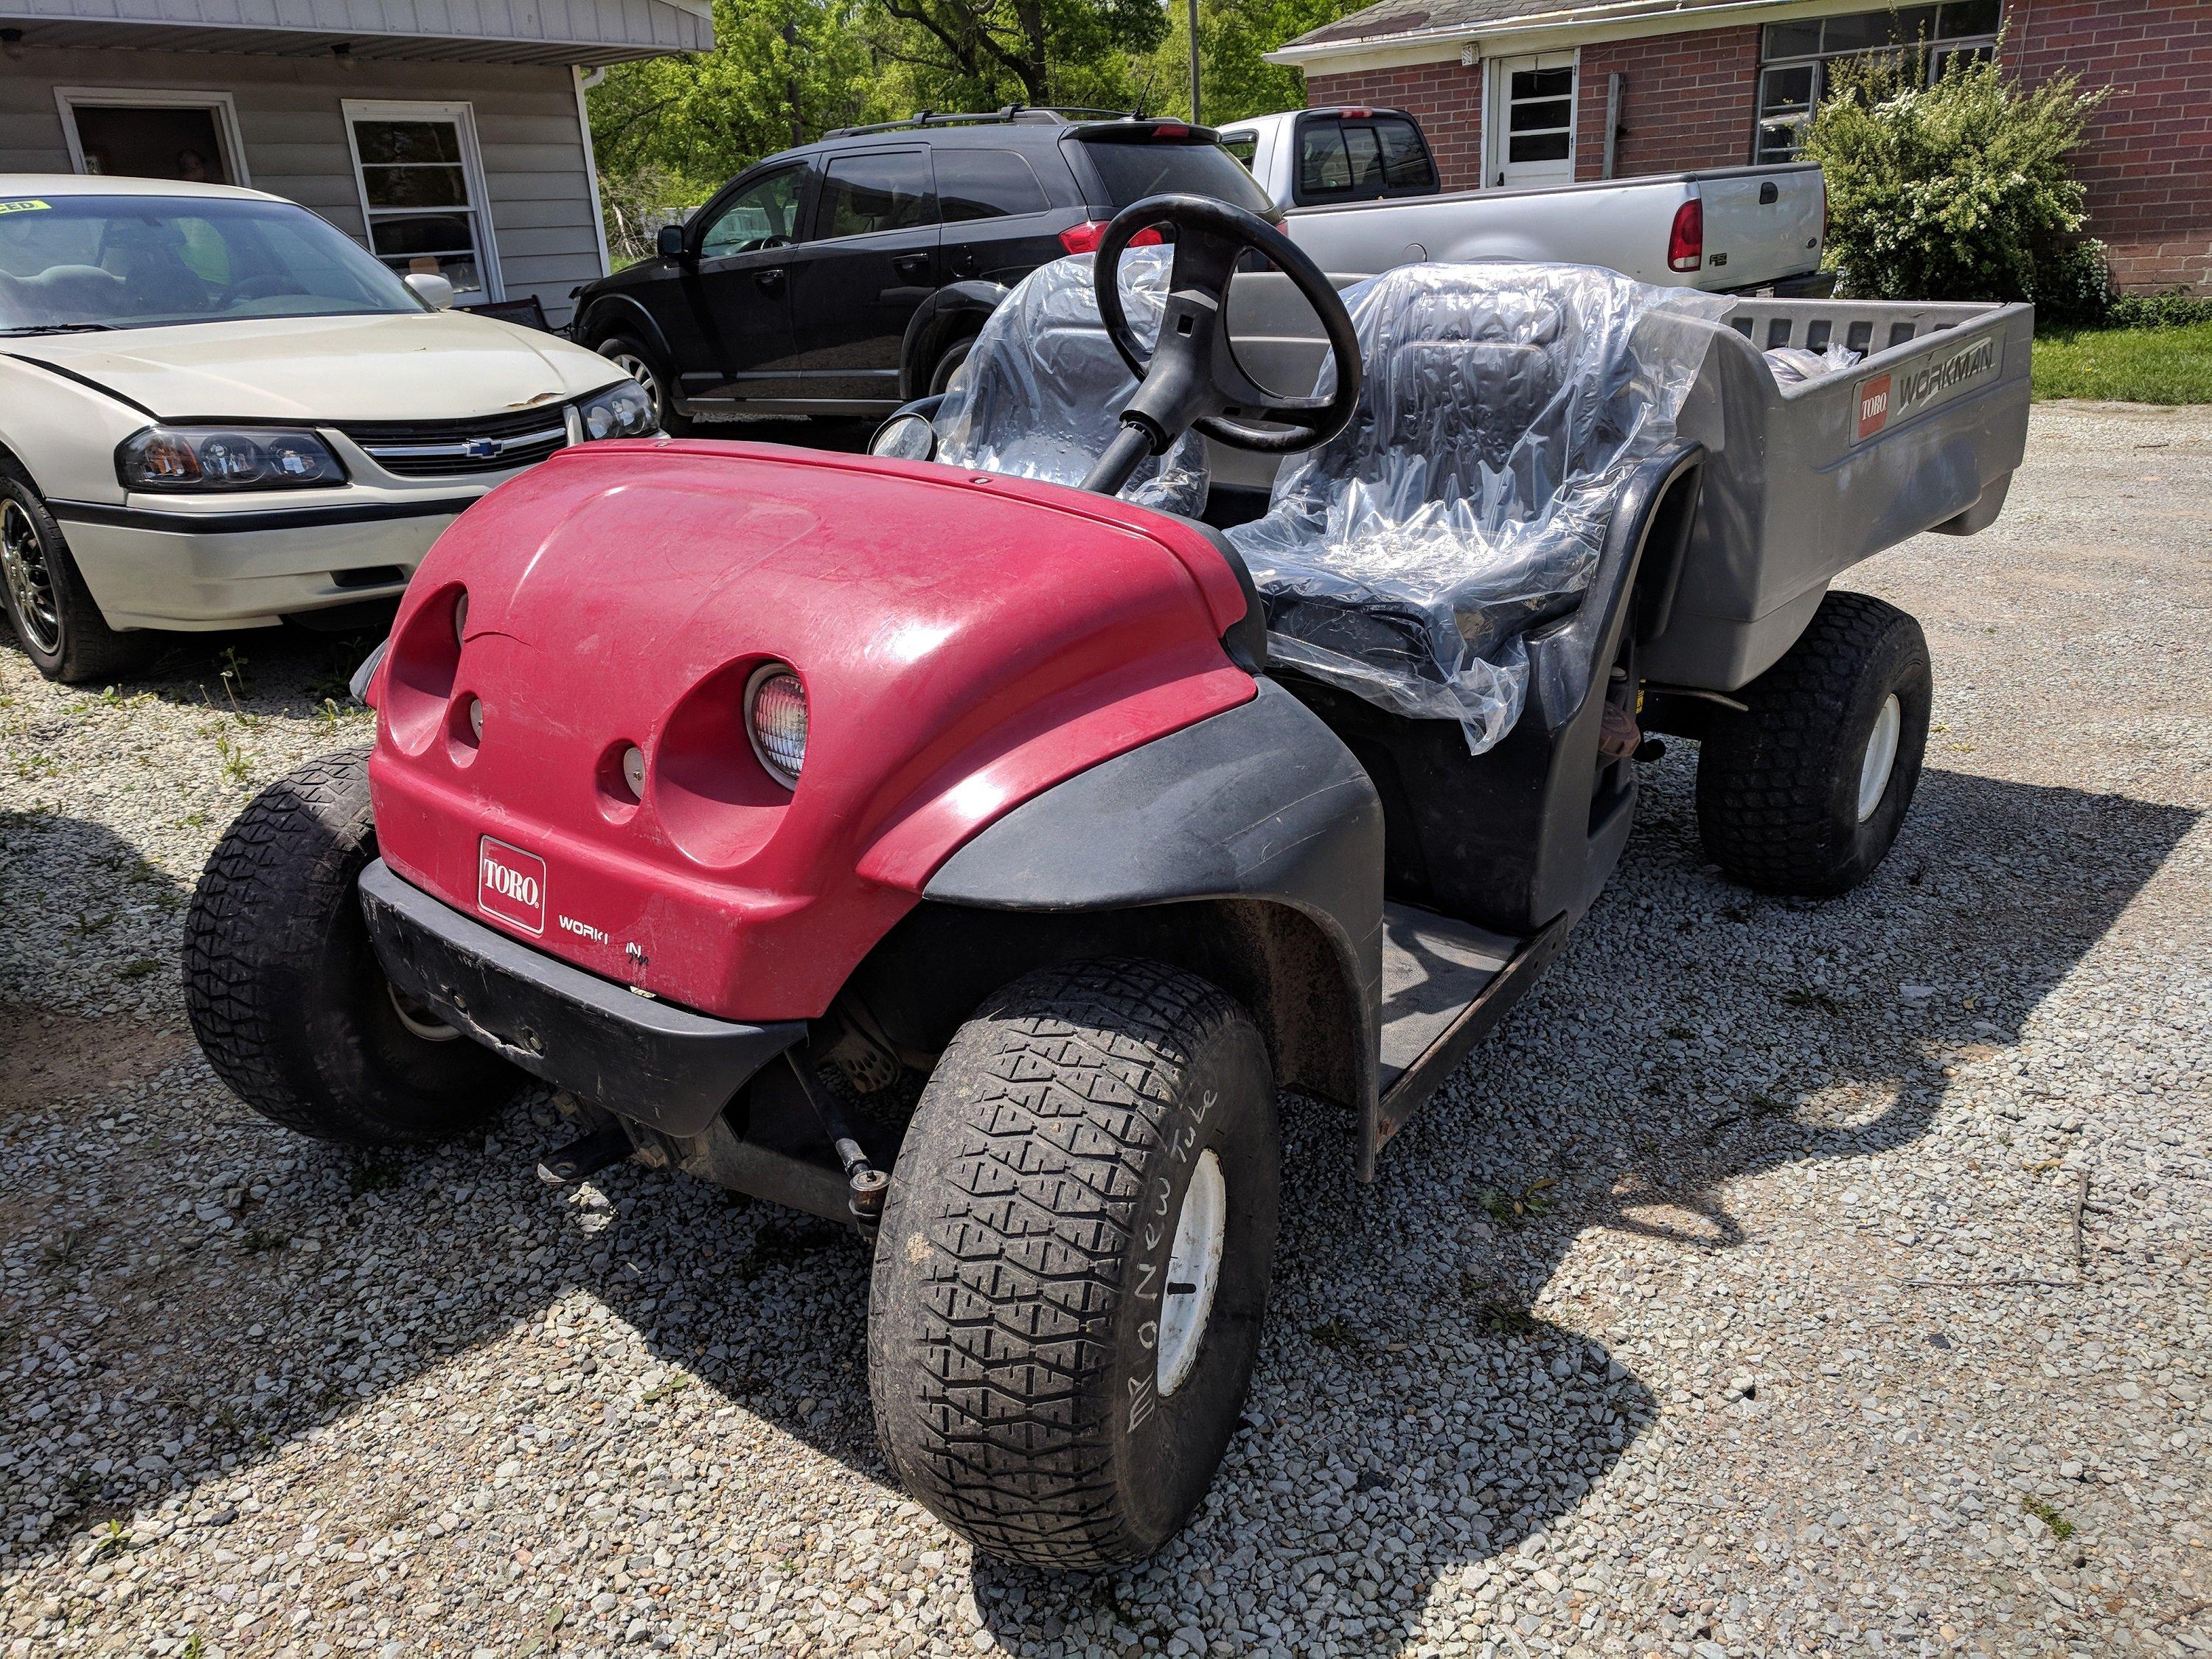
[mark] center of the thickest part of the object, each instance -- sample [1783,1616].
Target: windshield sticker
[26,206]
[1923,382]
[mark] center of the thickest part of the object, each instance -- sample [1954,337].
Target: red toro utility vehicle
[918,844]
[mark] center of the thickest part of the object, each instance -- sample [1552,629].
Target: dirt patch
[47,1057]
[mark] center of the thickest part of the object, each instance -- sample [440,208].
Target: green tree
[1959,190]
[781,73]
[1234,80]
[983,54]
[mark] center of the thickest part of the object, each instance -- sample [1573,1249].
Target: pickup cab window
[1361,161]
[1244,146]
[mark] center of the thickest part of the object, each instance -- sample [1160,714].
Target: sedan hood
[421,366]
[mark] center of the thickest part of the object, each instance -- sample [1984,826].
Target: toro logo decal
[1931,378]
[511,885]
[1874,405]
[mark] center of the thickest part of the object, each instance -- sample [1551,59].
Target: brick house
[1518,93]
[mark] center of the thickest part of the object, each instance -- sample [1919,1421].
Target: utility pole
[1194,120]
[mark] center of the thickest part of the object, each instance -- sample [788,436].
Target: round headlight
[776,715]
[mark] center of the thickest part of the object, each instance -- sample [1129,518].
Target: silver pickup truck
[1362,196]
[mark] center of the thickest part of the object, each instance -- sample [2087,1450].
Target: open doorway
[152,134]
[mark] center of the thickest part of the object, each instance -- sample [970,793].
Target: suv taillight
[1085,237]
[1685,242]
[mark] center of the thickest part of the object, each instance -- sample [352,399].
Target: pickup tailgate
[1761,224]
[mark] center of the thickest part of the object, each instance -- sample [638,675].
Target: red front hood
[966,641]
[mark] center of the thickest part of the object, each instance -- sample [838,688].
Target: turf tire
[1009,1339]
[1777,785]
[284,990]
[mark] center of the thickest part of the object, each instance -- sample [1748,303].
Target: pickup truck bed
[1756,227]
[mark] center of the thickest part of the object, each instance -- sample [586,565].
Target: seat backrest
[1500,407]
[1041,394]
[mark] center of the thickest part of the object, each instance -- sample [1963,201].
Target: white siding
[289,115]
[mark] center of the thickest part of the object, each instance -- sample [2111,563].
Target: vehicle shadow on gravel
[1419,1407]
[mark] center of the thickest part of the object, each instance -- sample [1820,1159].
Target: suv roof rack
[1056,114]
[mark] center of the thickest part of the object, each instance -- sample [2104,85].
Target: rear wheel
[646,364]
[1073,1263]
[52,611]
[284,990]
[1805,791]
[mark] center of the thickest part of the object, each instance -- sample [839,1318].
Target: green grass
[2127,365]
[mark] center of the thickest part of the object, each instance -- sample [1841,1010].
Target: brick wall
[1688,102]
[1445,99]
[2148,162]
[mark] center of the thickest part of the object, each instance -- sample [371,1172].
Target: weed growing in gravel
[374,1174]
[38,766]
[259,1241]
[234,674]
[2061,1528]
[138,967]
[80,1491]
[63,1251]
[675,1384]
[88,923]
[235,765]
[1334,1332]
[113,1539]
[194,1648]
[1511,1209]
[1506,1319]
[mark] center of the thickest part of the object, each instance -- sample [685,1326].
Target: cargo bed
[1806,479]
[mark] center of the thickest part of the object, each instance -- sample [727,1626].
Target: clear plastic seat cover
[1503,407]
[1041,392]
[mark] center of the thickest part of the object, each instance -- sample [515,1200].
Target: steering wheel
[1192,377]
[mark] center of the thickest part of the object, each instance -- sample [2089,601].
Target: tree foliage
[670,130]
[1961,190]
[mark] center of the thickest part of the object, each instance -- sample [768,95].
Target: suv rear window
[1134,169]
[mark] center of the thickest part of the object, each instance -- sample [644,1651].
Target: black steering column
[1191,378]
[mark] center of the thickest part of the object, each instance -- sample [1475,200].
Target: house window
[423,193]
[1795,58]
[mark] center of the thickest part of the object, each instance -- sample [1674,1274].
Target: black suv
[847,276]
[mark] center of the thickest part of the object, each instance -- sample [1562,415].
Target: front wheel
[1804,792]
[1073,1263]
[53,613]
[285,995]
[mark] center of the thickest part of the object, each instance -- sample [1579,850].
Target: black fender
[955,309]
[1260,810]
[611,311]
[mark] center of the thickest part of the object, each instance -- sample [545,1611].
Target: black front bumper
[663,1065]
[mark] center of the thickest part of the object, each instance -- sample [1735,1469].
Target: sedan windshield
[70,262]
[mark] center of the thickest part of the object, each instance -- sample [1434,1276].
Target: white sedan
[218,411]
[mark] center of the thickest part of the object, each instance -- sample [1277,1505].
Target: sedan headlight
[622,411]
[179,458]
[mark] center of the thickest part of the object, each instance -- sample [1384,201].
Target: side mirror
[433,290]
[669,241]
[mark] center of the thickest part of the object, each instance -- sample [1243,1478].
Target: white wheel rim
[1194,1270]
[1880,757]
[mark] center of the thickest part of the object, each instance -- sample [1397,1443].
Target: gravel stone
[1866,1309]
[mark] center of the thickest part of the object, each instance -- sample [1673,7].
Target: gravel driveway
[1781,1277]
